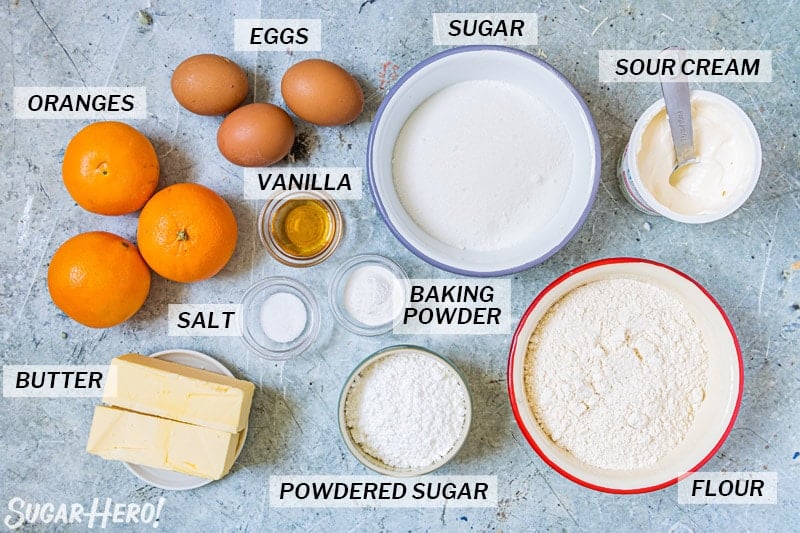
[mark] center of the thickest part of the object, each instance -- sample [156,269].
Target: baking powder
[373,295]
[481,164]
[406,410]
[615,372]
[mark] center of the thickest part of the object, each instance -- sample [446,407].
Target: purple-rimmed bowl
[485,63]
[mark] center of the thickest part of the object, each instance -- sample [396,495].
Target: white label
[54,381]
[485,28]
[340,183]
[697,65]
[456,307]
[204,320]
[729,488]
[108,103]
[382,491]
[277,35]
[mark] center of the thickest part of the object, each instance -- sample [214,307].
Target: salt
[407,410]
[373,295]
[283,317]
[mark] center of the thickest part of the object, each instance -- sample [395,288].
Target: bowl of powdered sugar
[483,160]
[404,411]
[624,375]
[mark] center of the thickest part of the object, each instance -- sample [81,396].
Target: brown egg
[256,135]
[322,93]
[208,84]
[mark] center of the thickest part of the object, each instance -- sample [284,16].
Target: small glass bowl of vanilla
[300,228]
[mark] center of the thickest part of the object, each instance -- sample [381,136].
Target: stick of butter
[178,392]
[151,441]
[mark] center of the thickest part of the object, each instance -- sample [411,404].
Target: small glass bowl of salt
[280,318]
[367,294]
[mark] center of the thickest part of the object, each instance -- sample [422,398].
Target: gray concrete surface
[748,261]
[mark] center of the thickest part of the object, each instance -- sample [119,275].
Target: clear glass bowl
[267,216]
[376,464]
[338,286]
[253,333]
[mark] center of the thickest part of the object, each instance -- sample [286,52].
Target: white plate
[166,479]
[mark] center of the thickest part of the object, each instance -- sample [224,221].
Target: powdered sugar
[407,410]
[615,372]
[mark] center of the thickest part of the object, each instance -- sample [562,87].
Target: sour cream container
[725,141]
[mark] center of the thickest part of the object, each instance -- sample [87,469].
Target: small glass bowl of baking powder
[280,318]
[367,294]
[405,411]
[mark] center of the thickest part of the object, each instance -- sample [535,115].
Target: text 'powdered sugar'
[381,491]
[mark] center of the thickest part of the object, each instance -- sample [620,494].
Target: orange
[98,279]
[110,168]
[187,232]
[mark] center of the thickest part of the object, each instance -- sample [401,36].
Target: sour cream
[728,159]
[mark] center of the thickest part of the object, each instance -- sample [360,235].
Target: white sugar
[482,164]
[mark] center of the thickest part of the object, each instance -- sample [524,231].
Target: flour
[407,410]
[482,164]
[615,372]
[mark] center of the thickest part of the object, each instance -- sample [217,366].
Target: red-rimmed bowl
[713,420]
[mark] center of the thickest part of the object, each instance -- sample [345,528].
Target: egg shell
[208,84]
[322,93]
[256,135]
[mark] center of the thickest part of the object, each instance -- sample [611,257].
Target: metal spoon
[679,114]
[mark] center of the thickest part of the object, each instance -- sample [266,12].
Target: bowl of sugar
[625,375]
[280,318]
[483,160]
[404,411]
